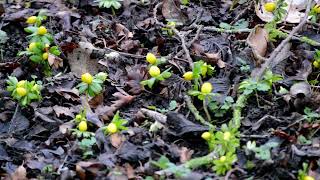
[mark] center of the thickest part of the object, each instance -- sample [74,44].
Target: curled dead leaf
[258,41]
[55,61]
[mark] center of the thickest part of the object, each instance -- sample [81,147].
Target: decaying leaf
[55,61]
[258,41]
[19,174]
[172,12]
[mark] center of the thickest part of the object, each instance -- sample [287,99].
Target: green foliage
[224,163]
[262,152]
[168,29]
[184,2]
[303,140]
[80,117]
[310,115]
[95,87]
[172,106]
[314,13]
[280,10]
[32,90]
[219,109]
[109,3]
[200,68]
[302,173]
[161,77]
[119,122]
[164,163]
[86,146]
[240,24]
[249,86]
[82,134]
[226,140]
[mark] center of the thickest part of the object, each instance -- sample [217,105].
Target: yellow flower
[308,178]
[206,88]
[206,136]
[223,159]
[32,46]
[31,20]
[151,58]
[154,71]
[270,7]
[112,128]
[21,83]
[316,64]
[21,91]
[226,136]
[316,8]
[87,78]
[45,56]
[188,76]
[42,30]
[83,126]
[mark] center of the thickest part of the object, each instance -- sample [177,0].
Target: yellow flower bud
[206,136]
[31,20]
[226,136]
[21,91]
[206,88]
[112,128]
[270,7]
[154,71]
[21,83]
[151,58]
[83,126]
[87,78]
[42,30]
[188,76]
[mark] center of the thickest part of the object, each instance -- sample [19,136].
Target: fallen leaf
[258,41]
[116,140]
[172,12]
[55,61]
[59,110]
[19,174]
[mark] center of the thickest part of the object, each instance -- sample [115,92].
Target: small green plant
[224,163]
[240,24]
[153,60]
[86,145]
[92,85]
[223,141]
[156,75]
[113,4]
[24,91]
[316,57]
[310,115]
[164,163]
[220,109]
[200,69]
[172,106]
[40,50]
[117,124]
[262,152]
[249,86]
[168,28]
[303,173]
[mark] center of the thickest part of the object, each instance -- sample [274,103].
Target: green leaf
[36,58]
[31,29]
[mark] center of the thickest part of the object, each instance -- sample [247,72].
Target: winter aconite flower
[151,58]
[45,56]
[42,30]
[87,78]
[188,76]
[154,71]
[206,136]
[112,128]
[32,20]
[83,126]
[270,7]
[21,91]
[308,178]
[206,88]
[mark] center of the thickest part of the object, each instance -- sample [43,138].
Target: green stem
[240,103]
[200,161]
[206,109]
[196,113]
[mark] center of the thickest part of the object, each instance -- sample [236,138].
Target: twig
[184,46]
[206,110]
[266,64]
[155,115]
[196,113]
[215,29]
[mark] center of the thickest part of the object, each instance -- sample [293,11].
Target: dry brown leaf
[171,11]
[258,41]
[116,140]
[185,154]
[55,61]
[72,94]
[96,101]
[63,128]
[19,174]
[130,171]
[59,110]
[215,58]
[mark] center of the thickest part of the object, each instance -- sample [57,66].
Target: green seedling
[116,125]
[86,145]
[178,171]
[220,109]
[310,115]
[262,152]
[224,163]
[168,28]
[113,4]
[156,75]
[316,57]
[24,91]
[200,69]
[92,85]
[314,13]
[172,106]
[249,86]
